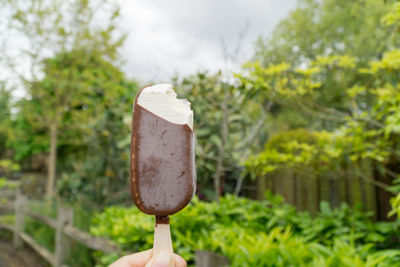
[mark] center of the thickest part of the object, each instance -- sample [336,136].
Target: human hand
[140,259]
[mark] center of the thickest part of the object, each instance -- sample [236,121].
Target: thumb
[163,259]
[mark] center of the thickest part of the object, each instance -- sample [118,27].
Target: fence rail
[63,225]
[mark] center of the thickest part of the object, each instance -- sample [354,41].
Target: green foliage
[89,100]
[41,233]
[73,41]
[96,126]
[7,219]
[4,183]
[328,27]
[393,16]
[7,168]
[105,259]
[285,149]
[246,231]
[396,206]
[27,138]
[298,93]
[313,57]
[367,123]
[80,256]
[5,117]
[70,84]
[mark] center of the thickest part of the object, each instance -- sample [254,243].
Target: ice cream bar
[163,178]
[162,173]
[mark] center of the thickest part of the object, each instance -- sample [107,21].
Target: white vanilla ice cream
[161,100]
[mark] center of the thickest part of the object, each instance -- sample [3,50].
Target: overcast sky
[166,37]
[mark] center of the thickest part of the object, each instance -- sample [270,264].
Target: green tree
[328,27]
[325,29]
[96,129]
[52,28]
[82,100]
[227,127]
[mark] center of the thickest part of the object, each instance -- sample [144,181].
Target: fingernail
[162,260]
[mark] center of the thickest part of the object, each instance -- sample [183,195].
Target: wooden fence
[305,189]
[64,229]
[63,226]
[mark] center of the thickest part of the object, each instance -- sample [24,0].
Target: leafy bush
[260,233]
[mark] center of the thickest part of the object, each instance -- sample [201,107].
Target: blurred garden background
[297,134]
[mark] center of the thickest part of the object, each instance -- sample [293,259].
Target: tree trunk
[217,175]
[51,169]
[249,141]
[238,186]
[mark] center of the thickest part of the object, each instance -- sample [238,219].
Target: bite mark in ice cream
[161,100]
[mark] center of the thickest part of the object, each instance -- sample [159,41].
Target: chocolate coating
[162,173]
[162,219]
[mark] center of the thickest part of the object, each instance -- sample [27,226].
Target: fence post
[19,219]
[65,216]
[204,258]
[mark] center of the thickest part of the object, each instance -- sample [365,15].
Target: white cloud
[175,36]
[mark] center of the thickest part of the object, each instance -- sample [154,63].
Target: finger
[141,259]
[179,261]
[134,260]
[164,260]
